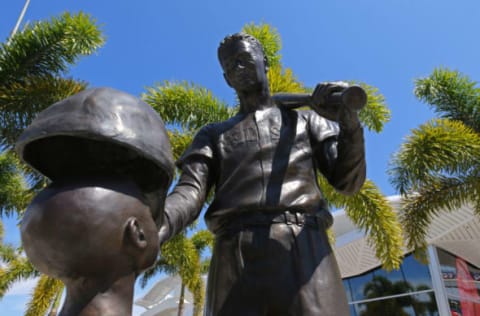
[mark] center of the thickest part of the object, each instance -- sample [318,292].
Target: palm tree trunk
[181,300]
[56,304]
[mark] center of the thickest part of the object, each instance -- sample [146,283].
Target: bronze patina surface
[271,255]
[95,226]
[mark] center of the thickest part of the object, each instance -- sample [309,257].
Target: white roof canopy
[457,232]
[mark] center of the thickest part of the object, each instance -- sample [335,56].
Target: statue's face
[90,229]
[244,67]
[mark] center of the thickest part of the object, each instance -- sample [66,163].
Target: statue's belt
[253,219]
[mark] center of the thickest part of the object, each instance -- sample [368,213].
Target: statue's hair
[237,37]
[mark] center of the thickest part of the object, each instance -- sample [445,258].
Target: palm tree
[33,68]
[382,286]
[438,165]
[183,256]
[187,107]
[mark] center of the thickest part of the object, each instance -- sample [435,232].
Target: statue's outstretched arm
[184,204]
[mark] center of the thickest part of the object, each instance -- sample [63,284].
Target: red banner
[469,298]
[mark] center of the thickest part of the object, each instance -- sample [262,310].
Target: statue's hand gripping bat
[326,99]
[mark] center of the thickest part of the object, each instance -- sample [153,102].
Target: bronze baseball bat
[353,97]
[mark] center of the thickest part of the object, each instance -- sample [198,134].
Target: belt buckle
[298,219]
[286,218]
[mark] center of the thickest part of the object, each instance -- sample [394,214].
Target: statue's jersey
[265,161]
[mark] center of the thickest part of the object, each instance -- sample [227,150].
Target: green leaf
[283,80]
[437,167]
[270,40]
[370,211]
[14,193]
[20,101]
[48,48]
[451,95]
[17,269]
[437,147]
[375,113]
[44,296]
[202,239]
[186,105]
[181,255]
[438,193]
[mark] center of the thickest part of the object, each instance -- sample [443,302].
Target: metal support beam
[437,281]
[20,18]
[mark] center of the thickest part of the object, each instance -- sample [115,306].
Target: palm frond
[371,212]
[438,193]
[205,265]
[283,80]
[14,194]
[332,239]
[161,265]
[269,37]
[56,303]
[20,101]
[44,296]
[16,270]
[202,239]
[376,113]
[180,141]
[186,105]
[437,147]
[180,252]
[476,198]
[451,95]
[31,66]
[8,253]
[179,256]
[48,47]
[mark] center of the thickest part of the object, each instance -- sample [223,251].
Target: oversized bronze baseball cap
[100,131]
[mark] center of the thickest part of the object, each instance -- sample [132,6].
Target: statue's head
[244,62]
[90,229]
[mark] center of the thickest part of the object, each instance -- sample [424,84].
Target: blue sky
[386,44]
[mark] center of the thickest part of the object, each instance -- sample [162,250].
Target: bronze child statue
[95,226]
[271,256]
